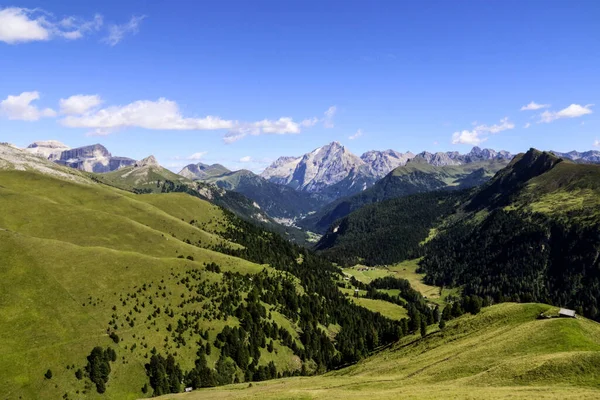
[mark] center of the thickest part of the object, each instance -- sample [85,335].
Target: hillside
[530,234]
[503,352]
[417,176]
[202,171]
[389,231]
[278,201]
[110,294]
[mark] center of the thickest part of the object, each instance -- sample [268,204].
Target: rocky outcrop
[94,158]
[48,149]
[382,162]
[334,171]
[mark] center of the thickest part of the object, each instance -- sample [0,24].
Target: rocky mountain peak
[49,144]
[149,161]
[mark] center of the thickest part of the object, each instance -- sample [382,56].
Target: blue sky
[225,81]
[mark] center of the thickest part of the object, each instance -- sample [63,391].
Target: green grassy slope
[78,260]
[503,352]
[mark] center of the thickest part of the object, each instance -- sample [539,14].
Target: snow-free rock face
[336,172]
[324,167]
[94,158]
[383,162]
[149,161]
[13,158]
[48,149]
[441,159]
[282,170]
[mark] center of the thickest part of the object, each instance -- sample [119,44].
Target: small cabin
[188,389]
[566,313]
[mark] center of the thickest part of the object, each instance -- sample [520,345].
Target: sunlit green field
[74,257]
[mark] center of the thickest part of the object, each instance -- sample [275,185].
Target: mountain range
[310,191]
[334,171]
[93,158]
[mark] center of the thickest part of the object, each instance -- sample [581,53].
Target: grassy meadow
[80,260]
[502,353]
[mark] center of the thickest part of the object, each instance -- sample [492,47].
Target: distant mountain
[94,158]
[590,157]
[335,172]
[382,162]
[13,158]
[49,149]
[202,171]
[279,201]
[417,176]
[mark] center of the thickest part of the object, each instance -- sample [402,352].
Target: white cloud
[358,134]
[282,126]
[534,106]
[20,107]
[79,104]
[527,125]
[573,111]
[480,133]
[197,156]
[597,143]
[246,159]
[20,25]
[467,137]
[116,33]
[161,114]
[329,114]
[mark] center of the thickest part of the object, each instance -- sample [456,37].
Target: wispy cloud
[358,134]
[573,111]
[20,108]
[329,114]
[246,159]
[198,155]
[527,125]
[116,33]
[21,25]
[480,133]
[597,143]
[534,106]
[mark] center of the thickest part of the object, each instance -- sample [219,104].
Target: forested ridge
[389,231]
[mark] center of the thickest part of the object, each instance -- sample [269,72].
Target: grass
[389,310]
[404,270]
[502,353]
[73,256]
[408,270]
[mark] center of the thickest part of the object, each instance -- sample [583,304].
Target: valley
[179,279]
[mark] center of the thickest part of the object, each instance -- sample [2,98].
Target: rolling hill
[503,352]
